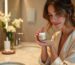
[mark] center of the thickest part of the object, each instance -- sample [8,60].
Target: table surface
[27,53]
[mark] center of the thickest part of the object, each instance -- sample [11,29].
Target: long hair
[60,6]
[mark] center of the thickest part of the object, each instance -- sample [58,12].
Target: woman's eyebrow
[49,14]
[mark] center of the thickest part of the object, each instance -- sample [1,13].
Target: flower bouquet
[9,26]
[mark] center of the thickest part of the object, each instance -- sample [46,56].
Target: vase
[8,48]
[10,36]
[7,45]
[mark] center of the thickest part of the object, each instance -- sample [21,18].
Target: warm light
[6,7]
[6,11]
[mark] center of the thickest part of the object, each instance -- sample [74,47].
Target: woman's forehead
[51,9]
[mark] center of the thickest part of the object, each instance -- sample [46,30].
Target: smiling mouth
[56,23]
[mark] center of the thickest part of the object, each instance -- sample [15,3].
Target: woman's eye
[59,14]
[50,16]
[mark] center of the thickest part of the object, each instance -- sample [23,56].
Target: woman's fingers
[42,43]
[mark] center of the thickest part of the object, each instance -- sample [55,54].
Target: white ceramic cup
[42,36]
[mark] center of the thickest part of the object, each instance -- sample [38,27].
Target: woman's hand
[40,42]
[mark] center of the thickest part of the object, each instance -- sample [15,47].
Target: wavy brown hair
[61,7]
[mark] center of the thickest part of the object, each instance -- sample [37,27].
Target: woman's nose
[53,19]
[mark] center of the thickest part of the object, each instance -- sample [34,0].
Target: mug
[42,36]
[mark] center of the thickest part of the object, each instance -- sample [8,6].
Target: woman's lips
[56,23]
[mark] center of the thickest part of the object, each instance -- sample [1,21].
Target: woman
[60,17]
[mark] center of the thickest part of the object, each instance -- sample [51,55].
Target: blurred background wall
[20,8]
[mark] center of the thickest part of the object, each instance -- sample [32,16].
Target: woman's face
[57,20]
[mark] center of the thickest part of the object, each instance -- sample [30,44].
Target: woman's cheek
[61,19]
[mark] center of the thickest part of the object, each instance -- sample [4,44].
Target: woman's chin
[57,27]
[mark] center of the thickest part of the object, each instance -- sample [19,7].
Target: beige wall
[1,5]
[15,8]
[30,28]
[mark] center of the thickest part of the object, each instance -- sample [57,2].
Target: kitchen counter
[27,53]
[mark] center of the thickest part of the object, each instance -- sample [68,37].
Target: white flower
[6,21]
[20,20]
[11,29]
[17,22]
[4,18]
